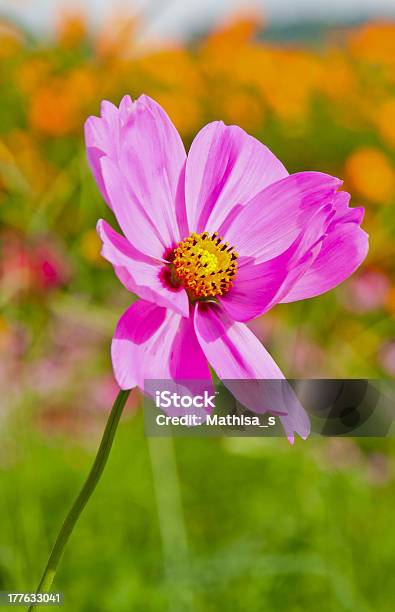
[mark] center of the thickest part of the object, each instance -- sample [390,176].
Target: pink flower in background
[387,357]
[36,267]
[367,292]
[50,266]
[211,240]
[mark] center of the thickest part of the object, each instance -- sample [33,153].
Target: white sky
[175,18]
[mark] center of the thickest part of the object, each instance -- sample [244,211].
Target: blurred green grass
[268,527]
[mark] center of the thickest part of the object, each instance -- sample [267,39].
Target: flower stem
[84,495]
[172,524]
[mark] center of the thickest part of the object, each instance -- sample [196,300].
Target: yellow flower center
[205,265]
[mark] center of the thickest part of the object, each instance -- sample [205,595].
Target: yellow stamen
[205,265]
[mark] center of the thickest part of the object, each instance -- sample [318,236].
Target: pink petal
[152,158]
[154,343]
[139,273]
[272,220]
[132,218]
[225,167]
[255,288]
[342,252]
[139,145]
[236,354]
[344,212]
[258,287]
[102,138]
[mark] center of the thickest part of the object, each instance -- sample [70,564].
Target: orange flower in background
[173,78]
[385,121]
[370,173]
[170,69]
[285,78]
[117,38]
[54,109]
[90,248]
[391,301]
[36,170]
[185,111]
[374,43]
[83,81]
[11,39]
[238,105]
[5,335]
[58,106]
[32,73]
[337,80]
[244,108]
[72,28]
[237,31]
[228,50]
[289,79]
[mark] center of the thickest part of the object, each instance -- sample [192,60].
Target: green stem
[172,524]
[84,495]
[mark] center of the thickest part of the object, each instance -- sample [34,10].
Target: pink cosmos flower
[211,240]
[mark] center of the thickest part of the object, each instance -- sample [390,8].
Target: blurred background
[194,524]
